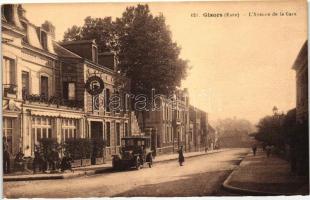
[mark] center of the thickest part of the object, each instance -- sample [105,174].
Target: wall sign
[94,85]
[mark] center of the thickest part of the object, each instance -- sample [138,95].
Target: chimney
[107,59]
[49,28]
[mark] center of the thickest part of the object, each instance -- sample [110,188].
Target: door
[96,132]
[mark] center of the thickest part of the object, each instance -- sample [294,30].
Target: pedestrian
[254,148]
[181,156]
[19,161]
[268,150]
[6,156]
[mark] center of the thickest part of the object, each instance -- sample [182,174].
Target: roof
[63,52]
[78,42]
[302,58]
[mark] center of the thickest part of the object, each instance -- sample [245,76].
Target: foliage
[233,132]
[143,46]
[100,29]
[78,148]
[47,145]
[97,147]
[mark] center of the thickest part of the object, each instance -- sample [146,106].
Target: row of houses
[44,95]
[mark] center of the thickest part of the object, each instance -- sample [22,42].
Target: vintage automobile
[135,152]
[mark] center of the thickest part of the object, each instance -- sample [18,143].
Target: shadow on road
[201,184]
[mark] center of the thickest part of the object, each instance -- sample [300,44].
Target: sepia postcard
[154,99]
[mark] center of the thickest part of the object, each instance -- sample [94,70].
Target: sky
[240,66]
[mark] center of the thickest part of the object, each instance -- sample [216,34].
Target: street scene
[200,176]
[186,99]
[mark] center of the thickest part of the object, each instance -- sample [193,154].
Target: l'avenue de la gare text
[249,14]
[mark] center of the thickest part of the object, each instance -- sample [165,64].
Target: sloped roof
[302,58]
[63,52]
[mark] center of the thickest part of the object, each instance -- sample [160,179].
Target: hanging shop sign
[94,85]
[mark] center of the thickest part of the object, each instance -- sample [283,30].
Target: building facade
[301,68]
[44,92]
[300,141]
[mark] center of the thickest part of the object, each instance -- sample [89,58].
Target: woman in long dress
[181,156]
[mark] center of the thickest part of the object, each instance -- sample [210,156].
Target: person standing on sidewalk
[181,156]
[6,156]
[254,148]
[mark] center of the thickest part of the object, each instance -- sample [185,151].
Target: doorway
[96,134]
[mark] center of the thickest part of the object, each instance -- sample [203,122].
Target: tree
[143,46]
[99,29]
[147,54]
[234,132]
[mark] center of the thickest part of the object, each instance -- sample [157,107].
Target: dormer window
[7,12]
[43,39]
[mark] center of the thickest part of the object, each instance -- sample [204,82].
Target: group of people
[268,148]
[40,162]
[52,162]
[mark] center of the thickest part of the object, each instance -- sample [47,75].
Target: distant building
[198,129]
[301,68]
[300,141]
[212,138]
[168,123]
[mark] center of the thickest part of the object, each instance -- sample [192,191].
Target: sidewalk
[92,169]
[259,175]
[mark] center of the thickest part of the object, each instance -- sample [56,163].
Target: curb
[85,173]
[203,154]
[244,191]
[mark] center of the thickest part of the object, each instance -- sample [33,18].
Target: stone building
[168,123]
[30,67]
[44,92]
[198,129]
[301,68]
[300,140]
[101,120]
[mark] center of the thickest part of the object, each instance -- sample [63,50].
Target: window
[126,129]
[69,90]
[118,134]
[8,71]
[164,134]
[108,134]
[69,129]
[8,132]
[41,128]
[125,102]
[25,83]
[44,86]
[167,133]
[44,39]
[171,134]
[107,100]
[96,102]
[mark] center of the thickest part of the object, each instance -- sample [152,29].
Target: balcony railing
[9,90]
[53,100]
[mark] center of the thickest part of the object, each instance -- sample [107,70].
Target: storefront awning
[56,114]
[45,114]
[72,116]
